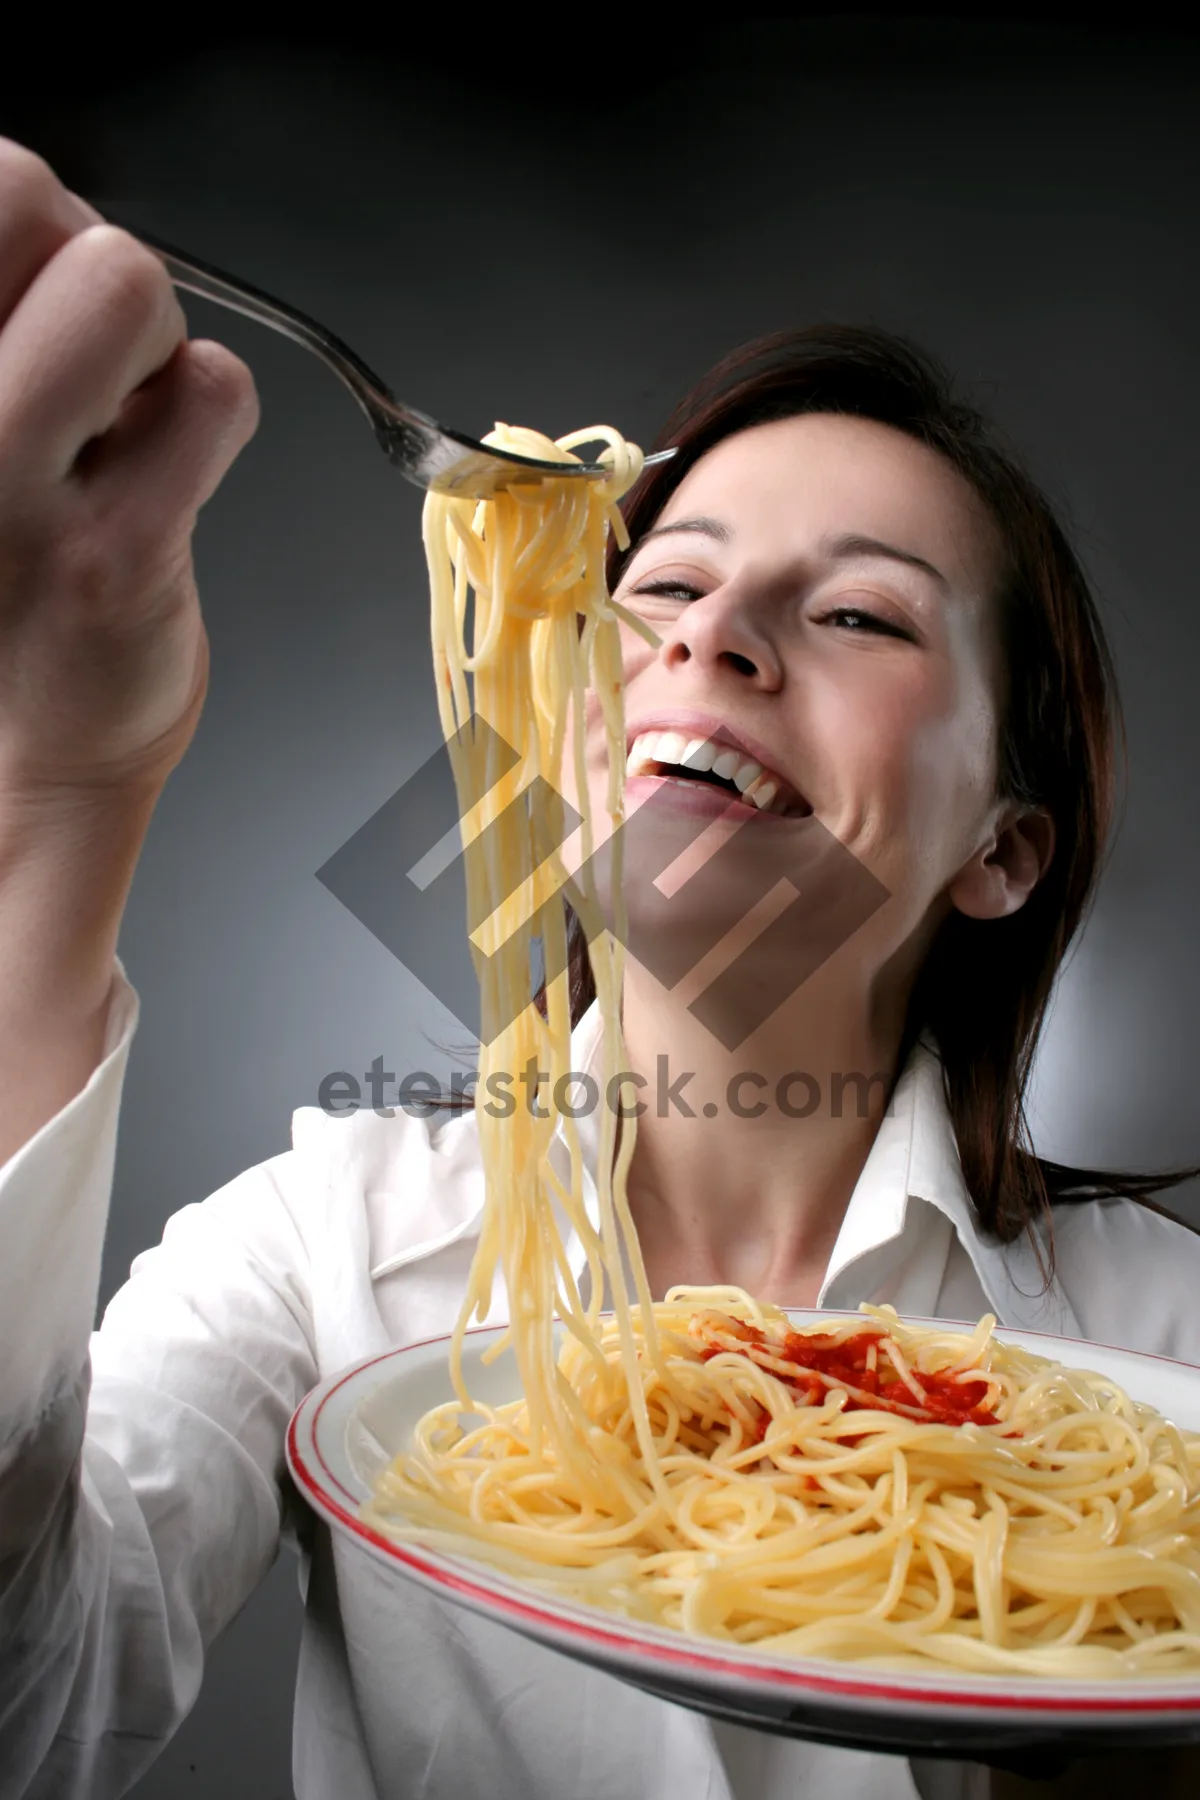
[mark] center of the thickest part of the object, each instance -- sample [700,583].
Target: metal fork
[426,453]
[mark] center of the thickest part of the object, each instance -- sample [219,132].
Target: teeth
[652,750]
[671,746]
[643,753]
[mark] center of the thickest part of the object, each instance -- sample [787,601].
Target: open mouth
[677,757]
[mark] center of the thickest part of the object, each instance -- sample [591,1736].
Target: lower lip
[701,799]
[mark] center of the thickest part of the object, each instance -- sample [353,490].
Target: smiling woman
[866,691]
[782,683]
[954,582]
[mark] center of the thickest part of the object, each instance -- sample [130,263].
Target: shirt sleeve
[141,1467]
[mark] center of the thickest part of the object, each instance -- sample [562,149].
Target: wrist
[66,864]
[67,860]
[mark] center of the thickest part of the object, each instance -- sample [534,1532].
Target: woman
[851,589]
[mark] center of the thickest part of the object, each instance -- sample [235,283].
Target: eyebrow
[706,527]
[853,544]
[847,546]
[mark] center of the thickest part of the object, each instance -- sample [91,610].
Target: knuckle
[132,277]
[103,564]
[88,571]
[222,382]
[28,204]
[28,186]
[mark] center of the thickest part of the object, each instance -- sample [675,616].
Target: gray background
[1020,196]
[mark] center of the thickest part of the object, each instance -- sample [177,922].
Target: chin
[770,904]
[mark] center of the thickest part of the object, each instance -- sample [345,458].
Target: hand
[114,431]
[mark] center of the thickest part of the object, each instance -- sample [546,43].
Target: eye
[668,587]
[857,618]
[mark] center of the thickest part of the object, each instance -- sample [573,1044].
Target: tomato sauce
[813,1364]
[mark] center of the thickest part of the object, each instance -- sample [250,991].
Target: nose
[725,632]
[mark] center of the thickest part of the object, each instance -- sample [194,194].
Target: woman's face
[822,588]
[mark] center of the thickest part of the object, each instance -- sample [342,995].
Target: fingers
[37,216]
[175,441]
[97,321]
[96,375]
[85,206]
[113,432]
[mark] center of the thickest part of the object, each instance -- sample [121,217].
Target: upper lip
[713,730]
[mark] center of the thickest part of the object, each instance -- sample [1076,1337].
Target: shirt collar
[914,1157]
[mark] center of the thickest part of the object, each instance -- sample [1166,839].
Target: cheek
[636,657]
[913,756]
[569,781]
[595,734]
[944,760]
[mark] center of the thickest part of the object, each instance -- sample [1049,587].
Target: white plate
[355,1422]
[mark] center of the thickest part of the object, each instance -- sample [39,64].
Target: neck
[746,1157]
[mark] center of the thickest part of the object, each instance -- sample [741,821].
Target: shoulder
[416,1181]
[1131,1275]
[365,1185]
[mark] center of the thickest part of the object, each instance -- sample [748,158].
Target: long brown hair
[985,986]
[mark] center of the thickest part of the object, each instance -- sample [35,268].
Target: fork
[426,453]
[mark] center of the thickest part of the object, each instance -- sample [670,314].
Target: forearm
[66,864]
[115,429]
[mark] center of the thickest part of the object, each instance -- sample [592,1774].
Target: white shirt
[114,1581]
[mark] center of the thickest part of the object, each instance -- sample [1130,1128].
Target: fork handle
[374,396]
[425,452]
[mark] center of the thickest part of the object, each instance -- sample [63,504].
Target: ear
[1003,873]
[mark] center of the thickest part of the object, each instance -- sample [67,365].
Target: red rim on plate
[602,1641]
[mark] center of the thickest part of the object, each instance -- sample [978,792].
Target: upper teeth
[752,781]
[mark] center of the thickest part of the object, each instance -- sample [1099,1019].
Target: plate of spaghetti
[902,1534]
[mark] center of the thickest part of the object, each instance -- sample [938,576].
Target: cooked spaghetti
[869,1490]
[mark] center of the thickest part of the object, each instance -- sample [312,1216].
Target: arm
[126,1549]
[113,432]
